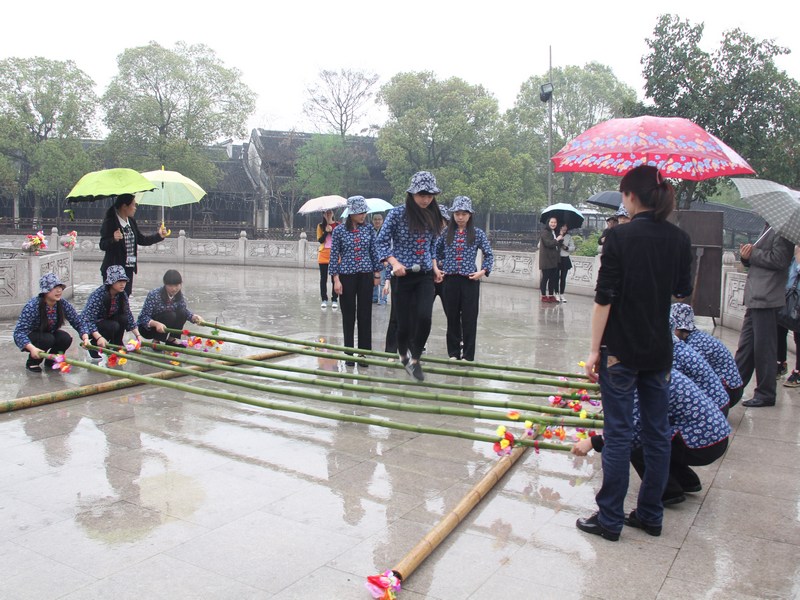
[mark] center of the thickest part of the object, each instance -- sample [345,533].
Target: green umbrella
[171,189]
[108,182]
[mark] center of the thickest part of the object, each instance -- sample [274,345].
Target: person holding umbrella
[324,237]
[406,242]
[355,269]
[643,265]
[565,248]
[38,329]
[120,239]
[549,259]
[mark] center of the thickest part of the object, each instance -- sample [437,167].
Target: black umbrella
[610,199]
[564,213]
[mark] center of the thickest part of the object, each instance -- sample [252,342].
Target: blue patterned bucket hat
[683,316]
[423,181]
[443,210]
[357,205]
[48,282]
[116,273]
[621,212]
[462,203]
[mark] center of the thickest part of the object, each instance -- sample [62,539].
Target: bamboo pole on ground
[376,379]
[446,525]
[101,388]
[377,353]
[472,413]
[325,414]
[434,370]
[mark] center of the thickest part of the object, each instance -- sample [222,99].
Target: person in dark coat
[549,260]
[120,238]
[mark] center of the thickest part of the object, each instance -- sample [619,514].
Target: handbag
[789,313]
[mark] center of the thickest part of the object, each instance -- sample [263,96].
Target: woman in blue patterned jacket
[108,310]
[39,330]
[355,269]
[456,252]
[165,307]
[406,242]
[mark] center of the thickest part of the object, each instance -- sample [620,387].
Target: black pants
[681,476]
[563,270]
[113,328]
[54,343]
[356,305]
[461,300]
[783,349]
[174,319]
[414,307]
[323,284]
[391,329]
[758,351]
[549,282]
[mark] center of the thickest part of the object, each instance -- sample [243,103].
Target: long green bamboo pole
[434,370]
[101,388]
[377,353]
[471,413]
[325,414]
[416,393]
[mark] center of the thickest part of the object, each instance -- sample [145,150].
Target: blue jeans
[618,384]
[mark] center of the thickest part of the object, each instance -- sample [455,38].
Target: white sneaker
[324,305]
[334,305]
[102,361]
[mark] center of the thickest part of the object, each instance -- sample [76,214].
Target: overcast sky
[280,47]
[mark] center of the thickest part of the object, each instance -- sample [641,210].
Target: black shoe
[33,365]
[48,364]
[404,359]
[415,370]
[592,525]
[692,489]
[757,402]
[673,500]
[793,380]
[632,520]
[782,370]
[349,363]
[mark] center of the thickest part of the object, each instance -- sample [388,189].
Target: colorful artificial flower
[528,428]
[133,345]
[71,240]
[504,446]
[581,364]
[60,364]
[513,415]
[384,586]
[34,243]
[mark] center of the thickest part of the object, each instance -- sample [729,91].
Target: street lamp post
[546,95]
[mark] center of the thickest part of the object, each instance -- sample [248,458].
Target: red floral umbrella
[679,148]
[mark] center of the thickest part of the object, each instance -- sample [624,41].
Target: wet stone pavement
[150,493]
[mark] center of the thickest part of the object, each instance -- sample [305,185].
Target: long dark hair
[423,219]
[171,277]
[122,302]
[43,323]
[654,192]
[119,201]
[451,230]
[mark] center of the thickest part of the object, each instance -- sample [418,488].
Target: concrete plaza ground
[148,493]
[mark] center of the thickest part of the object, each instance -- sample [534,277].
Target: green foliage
[164,106]
[736,93]
[586,246]
[582,97]
[330,164]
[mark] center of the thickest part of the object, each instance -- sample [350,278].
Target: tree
[329,164]
[736,93]
[449,127]
[165,106]
[45,107]
[582,97]
[338,100]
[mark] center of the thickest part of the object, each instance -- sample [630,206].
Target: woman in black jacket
[120,238]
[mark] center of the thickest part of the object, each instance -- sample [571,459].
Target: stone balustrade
[20,272]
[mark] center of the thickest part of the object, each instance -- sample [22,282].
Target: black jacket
[644,263]
[115,250]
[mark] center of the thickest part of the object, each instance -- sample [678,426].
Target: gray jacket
[769,266]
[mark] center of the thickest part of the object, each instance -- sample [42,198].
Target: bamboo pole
[377,353]
[434,370]
[377,379]
[425,547]
[100,388]
[472,413]
[325,414]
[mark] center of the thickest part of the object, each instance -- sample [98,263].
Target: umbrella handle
[168,232]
